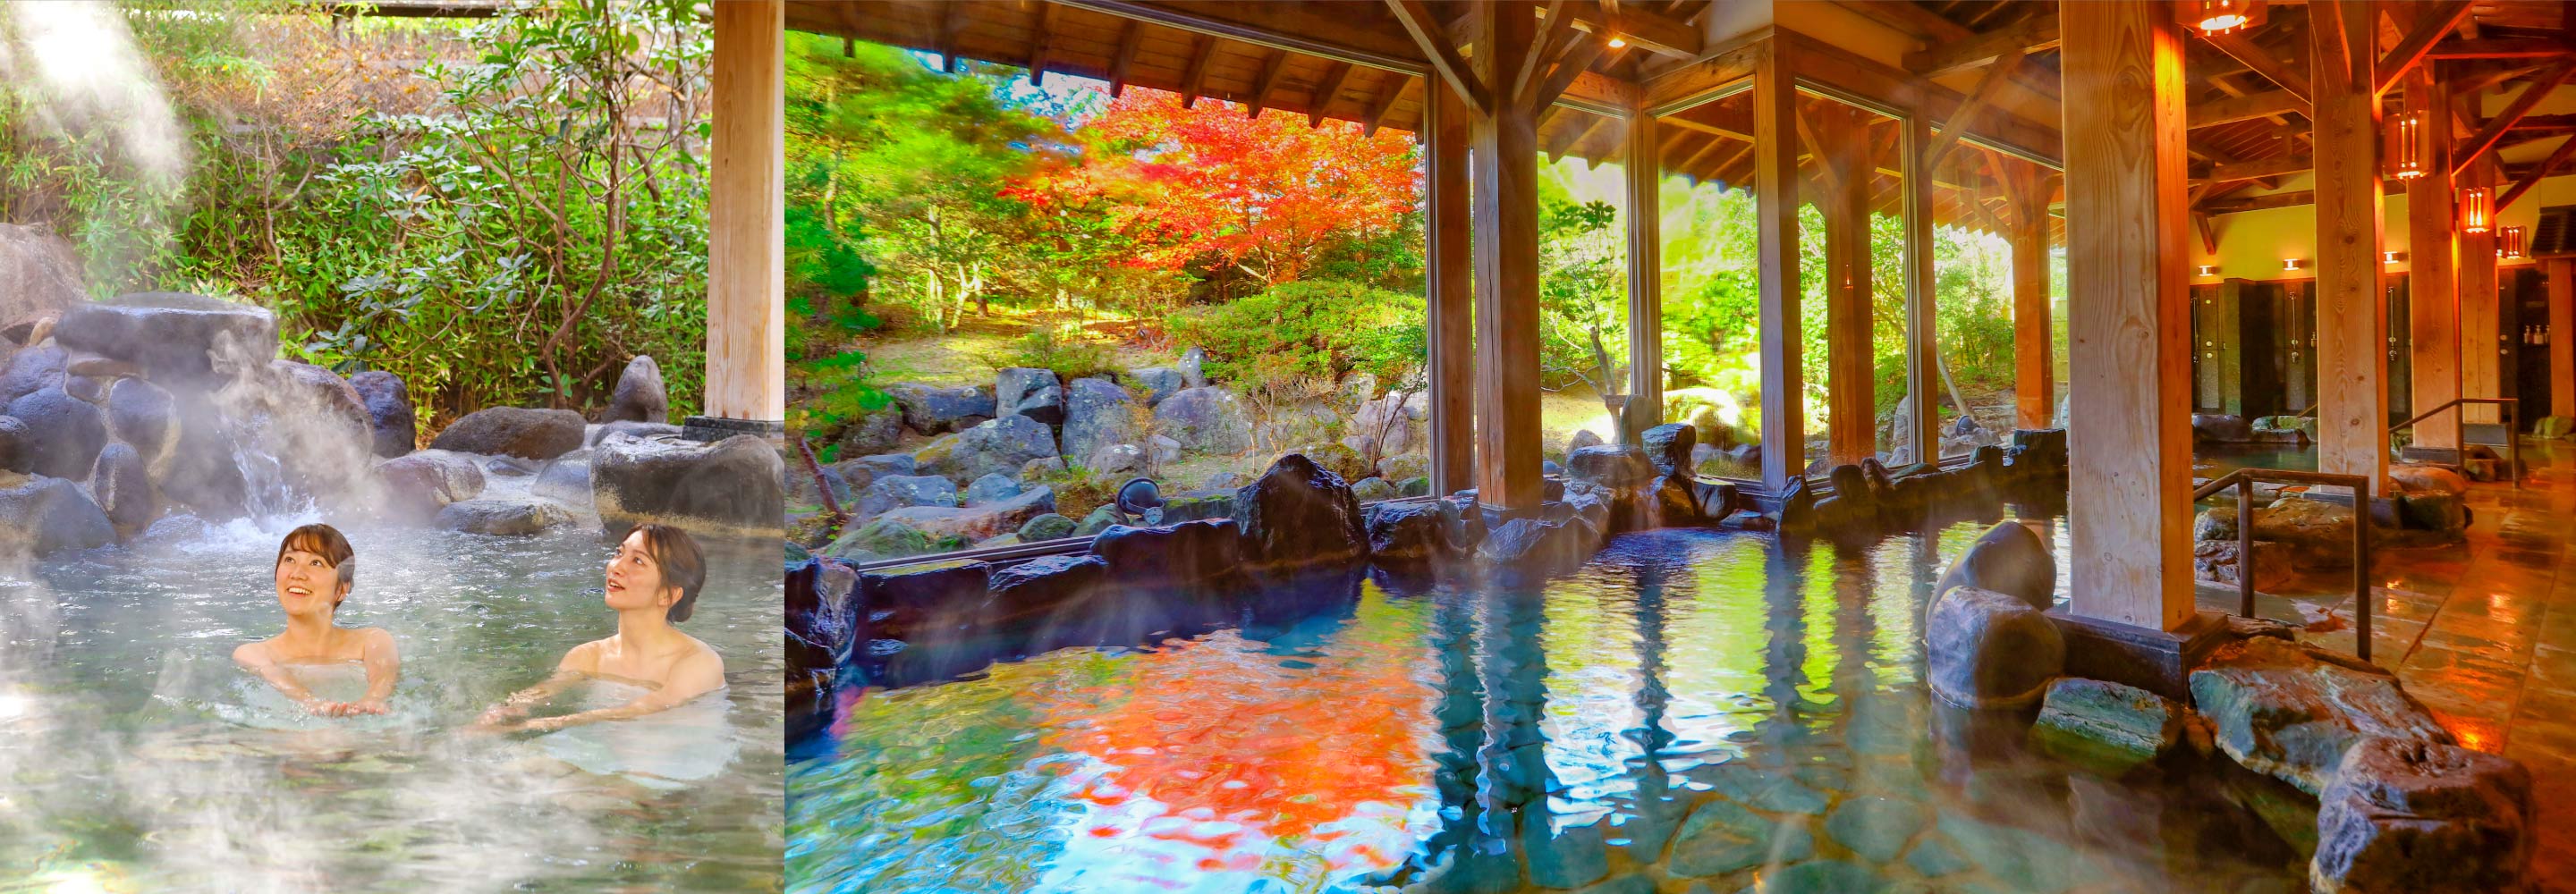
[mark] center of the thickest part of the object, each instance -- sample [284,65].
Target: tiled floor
[2485,635]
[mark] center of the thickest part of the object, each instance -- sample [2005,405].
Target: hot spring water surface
[135,756]
[1691,711]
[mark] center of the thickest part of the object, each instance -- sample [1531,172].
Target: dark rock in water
[1185,554]
[1674,501]
[648,430]
[2289,709]
[2411,816]
[1990,650]
[31,369]
[998,445]
[994,487]
[1669,447]
[1850,483]
[1028,391]
[40,516]
[1747,520]
[1407,532]
[1798,505]
[389,412]
[1097,414]
[1297,514]
[171,335]
[2220,427]
[202,473]
[503,518]
[924,603]
[1048,591]
[1048,526]
[2107,723]
[931,410]
[731,485]
[414,487]
[308,389]
[639,396]
[84,388]
[67,432]
[1159,382]
[1609,465]
[874,431]
[565,479]
[1206,420]
[123,487]
[17,447]
[514,431]
[2009,559]
[1534,545]
[2216,561]
[898,491]
[1198,506]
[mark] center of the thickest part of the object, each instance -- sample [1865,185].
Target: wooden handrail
[2243,480]
[2512,428]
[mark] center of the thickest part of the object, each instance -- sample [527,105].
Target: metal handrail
[2243,480]
[2512,429]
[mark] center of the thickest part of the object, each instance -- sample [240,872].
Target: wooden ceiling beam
[1552,31]
[2263,203]
[2533,179]
[1271,68]
[952,18]
[2031,35]
[1038,34]
[1387,96]
[2284,76]
[1966,115]
[2523,103]
[1576,61]
[2501,48]
[1194,77]
[2275,166]
[2246,107]
[1418,21]
[1651,32]
[1326,91]
[2429,28]
[1126,58]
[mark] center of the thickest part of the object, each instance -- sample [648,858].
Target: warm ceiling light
[2391,257]
[2209,270]
[2289,263]
[1616,43]
[2476,209]
[2223,16]
[2509,242]
[2406,146]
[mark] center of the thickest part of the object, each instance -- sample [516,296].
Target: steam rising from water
[86,82]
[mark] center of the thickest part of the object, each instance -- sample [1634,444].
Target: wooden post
[2351,310]
[2129,428]
[1645,273]
[2480,369]
[2432,260]
[1850,386]
[1452,300]
[2034,370]
[2562,336]
[1921,377]
[746,371]
[1504,161]
[1775,190]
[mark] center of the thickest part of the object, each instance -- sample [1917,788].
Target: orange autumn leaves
[1260,752]
[1263,194]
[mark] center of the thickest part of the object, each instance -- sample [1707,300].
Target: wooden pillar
[2034,370]
[1775,191]
[1644,167]
[746,372]
[1451,301]
[2129,427]
[2351,310]
[1850,376]
[1921,377]
[2480,348]
[1504,200]
[2432,261]
[2562,336]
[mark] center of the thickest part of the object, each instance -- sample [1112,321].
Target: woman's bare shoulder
[255,652]
[583,658]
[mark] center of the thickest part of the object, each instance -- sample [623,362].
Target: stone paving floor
[2485,634]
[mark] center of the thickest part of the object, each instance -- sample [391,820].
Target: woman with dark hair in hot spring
[653,582]
[315,569]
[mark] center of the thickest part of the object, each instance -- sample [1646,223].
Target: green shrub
[1063,349]
[1319,327]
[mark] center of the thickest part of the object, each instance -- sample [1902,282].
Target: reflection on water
[134,755]
[1692,708]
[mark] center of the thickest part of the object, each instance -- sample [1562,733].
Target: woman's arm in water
[384,667]
[694,676]
[575,663]
[256,658]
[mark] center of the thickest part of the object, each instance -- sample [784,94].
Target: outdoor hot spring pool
[136,757]
[1691,711]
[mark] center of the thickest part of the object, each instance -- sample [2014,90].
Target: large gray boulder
[1194,367]
[503,518]
[1670,447]
[173,336]
[976,523]
[994,487]
[1206,420]
[639,396]
[514,431]
[898,491]
[932,410]
[1097,414]
[2410,816]
[995,445]
[203,473]
[39,275]
[1158,381]
[66,432]
[1028,391]
[413,488]
[1609,465]
[32,369]
[2009,559]
[306,389]
[40,516]
[565,479]
[394,430]
[733,487]
[123,489]
[2107,723]
[872,432]
[2290,710]
[17,447]
[1990,650]
[1299,513]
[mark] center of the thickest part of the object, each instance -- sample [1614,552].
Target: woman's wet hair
[325,541]
[682,565]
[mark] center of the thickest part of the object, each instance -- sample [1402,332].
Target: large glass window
[1993,206]
[1852,286]
[1583,279]
[1712,370]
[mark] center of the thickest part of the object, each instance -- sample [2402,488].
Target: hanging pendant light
[2509,242]
[2223,16]
[2406,145]
[2477,206]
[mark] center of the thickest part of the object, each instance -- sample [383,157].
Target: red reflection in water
[1216,747]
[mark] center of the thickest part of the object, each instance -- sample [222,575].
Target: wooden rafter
[2428,29]
[2330,58]
[2531,95]
[1038,33]
[1966,115]
[951,18]
[1577,59]
[2255,57]
[1126,58]
[2246,107]
[1648,31]
[1552,32]
[2499,48]
[2478,82]
[2533,179]
[1556,152]
[1269,81]
[1378,107]
[2264,203]
[1325,92]
[2261,168]
[1828,174]
[2034,34]
[1194,77]
[1418,21]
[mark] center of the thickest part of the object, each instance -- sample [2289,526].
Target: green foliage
[1313,328]
[1063,349]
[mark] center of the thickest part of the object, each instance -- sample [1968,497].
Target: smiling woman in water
[653,583]
[315,568]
